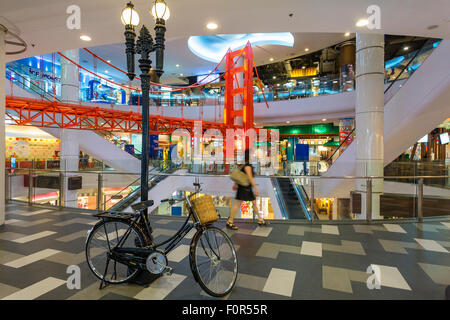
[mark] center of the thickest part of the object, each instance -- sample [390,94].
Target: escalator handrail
[22,80]
[341,144]
[280,198]
[131,197]
[406,67]
[300,200]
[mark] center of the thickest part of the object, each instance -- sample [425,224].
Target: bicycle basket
[205,209]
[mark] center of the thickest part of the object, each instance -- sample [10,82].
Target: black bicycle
[119,246]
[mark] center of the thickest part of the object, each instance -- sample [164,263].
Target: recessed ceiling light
[271,59]
[85,37]
[362,22]
[306,49]
[177,65]
[405,48]
[211,26]
[347,34]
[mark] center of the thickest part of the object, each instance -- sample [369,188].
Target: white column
[2,125]
[69,140]
[69,77]
[369,116]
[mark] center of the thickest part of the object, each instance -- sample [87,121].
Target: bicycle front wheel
[214,261]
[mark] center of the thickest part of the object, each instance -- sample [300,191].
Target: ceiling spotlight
[406,48]
[306,49]
[347,34]
[85,37]
[271,59]
[362,23]
[211,26]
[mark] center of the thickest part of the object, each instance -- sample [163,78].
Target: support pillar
[2,124]
[369,117]
[70,91]
[70,150]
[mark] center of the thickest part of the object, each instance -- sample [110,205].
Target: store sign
[296,73]
[43,75]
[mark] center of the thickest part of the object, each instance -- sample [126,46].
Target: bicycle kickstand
[104,275]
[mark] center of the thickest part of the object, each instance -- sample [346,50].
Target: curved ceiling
[214,47]
[42,24]
[180,62]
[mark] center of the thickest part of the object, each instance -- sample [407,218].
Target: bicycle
[118,246]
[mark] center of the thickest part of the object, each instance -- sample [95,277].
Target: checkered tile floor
[283,261]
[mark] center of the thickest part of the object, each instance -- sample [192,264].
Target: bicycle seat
[142,205]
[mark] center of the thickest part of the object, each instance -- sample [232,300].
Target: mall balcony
[350,153]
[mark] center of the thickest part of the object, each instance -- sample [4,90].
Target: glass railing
[46,85]
[377,198]
[421,168]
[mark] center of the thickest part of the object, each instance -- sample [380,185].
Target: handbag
[240,177]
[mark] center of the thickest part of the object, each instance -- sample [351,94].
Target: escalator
[133,196]
[293,198]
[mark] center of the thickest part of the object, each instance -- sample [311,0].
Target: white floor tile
[35,236]
[431,245]
[36,290]
[391,277]
[311,249]
[447,224]
[11,221]
[179,253]
[280,282]
[40,255]
[394,228]
[330,229]
[33,213]
[261,231]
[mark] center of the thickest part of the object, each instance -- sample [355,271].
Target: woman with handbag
[245,193]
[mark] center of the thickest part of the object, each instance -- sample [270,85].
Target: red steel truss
[53,114]
[246,92]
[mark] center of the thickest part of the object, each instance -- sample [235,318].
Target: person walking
[248,193]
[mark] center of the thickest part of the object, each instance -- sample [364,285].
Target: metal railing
[365,201]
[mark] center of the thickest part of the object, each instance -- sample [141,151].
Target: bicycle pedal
[168,271]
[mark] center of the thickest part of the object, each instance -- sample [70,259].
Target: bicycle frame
[171,242]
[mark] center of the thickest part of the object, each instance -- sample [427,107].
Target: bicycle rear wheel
[104,236]
[214,261]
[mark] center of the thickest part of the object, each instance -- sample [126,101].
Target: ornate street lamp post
[144,46]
